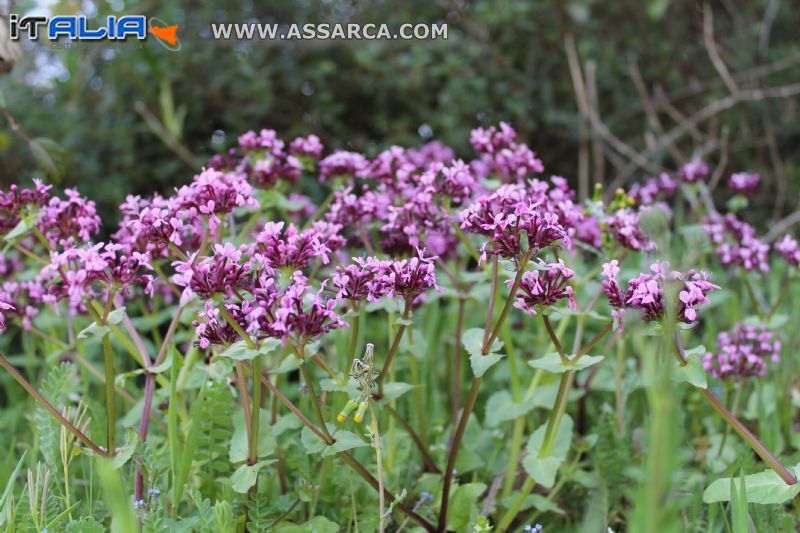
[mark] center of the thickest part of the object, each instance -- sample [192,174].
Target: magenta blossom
[646,292]
[743,352]
[341,163]
[293,248]
[789,250]
[310,147]
[737,243]
[4,306]
[624,227]
[744,182]
[224,272]
[73,273]
[693,171]
[545,286]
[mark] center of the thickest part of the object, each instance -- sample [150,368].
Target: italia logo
[79,28]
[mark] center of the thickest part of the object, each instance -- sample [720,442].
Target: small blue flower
[154,492]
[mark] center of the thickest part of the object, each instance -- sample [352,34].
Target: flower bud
[362,408]
[348,408]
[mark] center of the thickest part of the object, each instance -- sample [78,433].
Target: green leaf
[116,316]
[552,363]
[246,476]
[318,524]
[392,391]
[544,469]
[268,345]
[94,331]
[290,363]
[692,372]
[22,228]
[653,329]
[464,506]
[239,351]
[267,443]
[124,455]
[472,339]
[481,363]
[765,488]
[345,440]
[501,407]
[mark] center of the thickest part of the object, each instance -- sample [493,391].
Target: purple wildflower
[744,182]
[646,292]
[4,306]
[789,250]
[341,163]
[693,171]
[310,147]
[742,352]
[224,272]
[545,286]
[624,227]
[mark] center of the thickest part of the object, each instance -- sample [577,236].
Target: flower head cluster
[295,248]
[653,188]
[623,225]
[214,194]
[341,163]
[789,250]
[693,171]
[14,201]
[545,285]
[743,352]
[5,305]
[502,155]
[310,147]
[647,291]
[223,272]
[737,242]
[73,273]
[506,216]
[744,182]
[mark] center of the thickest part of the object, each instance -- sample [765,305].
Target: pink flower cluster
[5,305]
[743,352]
[646,292]
[75,274]
[737,242]
[623,225]
[652,189]
[693,171]
[502,156]
[789,250]
[545,285]
[744,182]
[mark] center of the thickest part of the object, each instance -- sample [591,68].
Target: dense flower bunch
[788,249]
[647,291]
[14,201]
[652,189]
[737,242]
[5,305]
[744,182]
[75,274]
[545,285]
[502,156]
[743,352]
[624,227]
[693,171]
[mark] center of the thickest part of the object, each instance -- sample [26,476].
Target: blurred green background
[116,120]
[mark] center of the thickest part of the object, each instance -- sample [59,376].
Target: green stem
[111,419]
[47,405]
[315,400]
[554,338]
[393,348]
[737,425]
[351,351]
[512,512]
[255,404]
[557,412]
[451,458]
